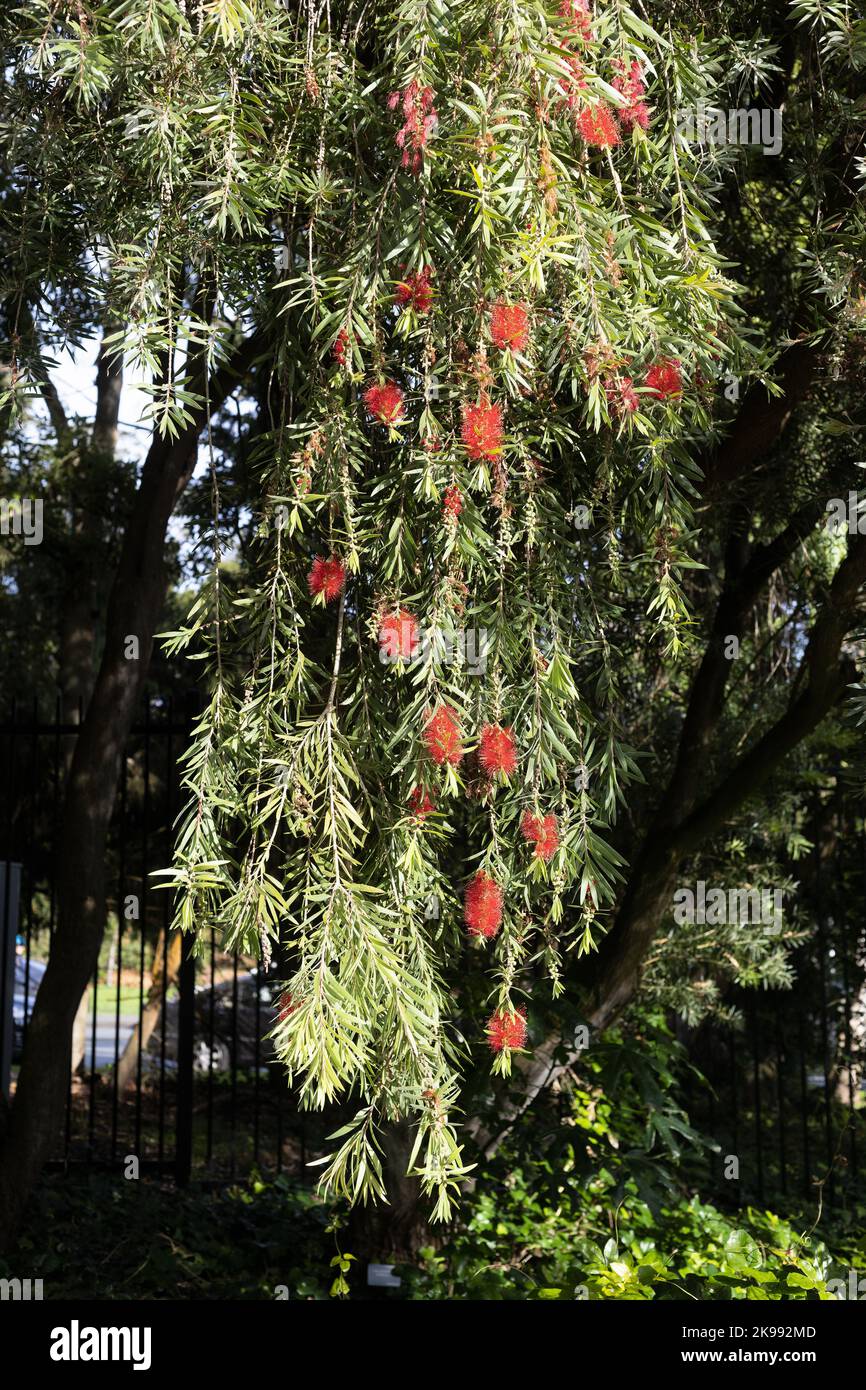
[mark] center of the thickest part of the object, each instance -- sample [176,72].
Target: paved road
[102,1055]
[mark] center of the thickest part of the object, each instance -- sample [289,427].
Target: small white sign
[382,1277]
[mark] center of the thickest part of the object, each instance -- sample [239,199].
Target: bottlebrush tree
[466,258]
[501,311]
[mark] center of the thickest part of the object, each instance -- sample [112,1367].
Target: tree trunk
[30,1125]
[81,609]
[79,1034]
[396,1233]
[136,600]
[150,1015]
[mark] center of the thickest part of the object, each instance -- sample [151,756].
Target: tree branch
[826,678]
[762,418]
[744,580]
[109,385]
[47,390]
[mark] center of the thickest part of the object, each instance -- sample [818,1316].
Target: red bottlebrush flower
[452,503]
[341,343]
[621,395]
[416,290]
[548,844]
[421,802]
[443,737]
[598,126]
[579,16]
[287,1005]
[636,114]
[482,905]
[543,832]
[506,1030]
[385,403]
[398,635]
[482,430]
[327,577]
[420,120]
[664,378]
[509,326]
[496,750]
[630,84]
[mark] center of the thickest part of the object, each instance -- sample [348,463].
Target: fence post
[10,887]
[186,1004]
[185,1042]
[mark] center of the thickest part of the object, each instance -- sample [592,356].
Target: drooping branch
[612,975]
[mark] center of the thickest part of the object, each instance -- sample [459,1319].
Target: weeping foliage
[476,250]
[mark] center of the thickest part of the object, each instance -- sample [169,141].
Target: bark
[762,419]
[164,974]
[32,1123]
[396,1233]
[79,1035]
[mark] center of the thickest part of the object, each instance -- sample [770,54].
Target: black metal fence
[172,1062]
[170,1058]
[783,1091]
